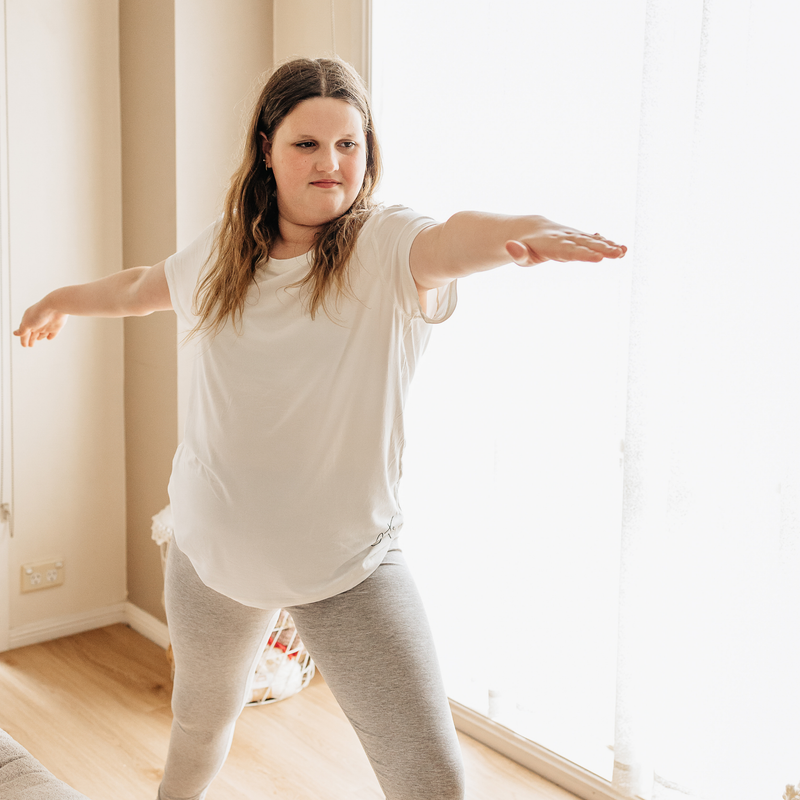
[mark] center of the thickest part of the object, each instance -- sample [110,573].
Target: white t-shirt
[285,488]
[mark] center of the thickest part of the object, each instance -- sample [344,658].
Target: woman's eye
[348,145]
[305,145]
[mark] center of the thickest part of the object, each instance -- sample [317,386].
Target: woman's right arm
[133,292]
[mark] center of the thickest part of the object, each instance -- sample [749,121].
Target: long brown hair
[249,226]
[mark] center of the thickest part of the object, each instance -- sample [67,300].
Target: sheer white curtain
[707,691]
[512,484]
[646,627]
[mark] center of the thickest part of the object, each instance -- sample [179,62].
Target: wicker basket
[285,667]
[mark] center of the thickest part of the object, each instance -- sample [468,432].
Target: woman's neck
[284,249]
[293,240]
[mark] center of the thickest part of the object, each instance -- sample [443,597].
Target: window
[512,483]
[639,622]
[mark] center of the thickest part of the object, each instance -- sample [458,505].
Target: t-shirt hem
[270,602]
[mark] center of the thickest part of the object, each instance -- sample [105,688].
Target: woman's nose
[327,160]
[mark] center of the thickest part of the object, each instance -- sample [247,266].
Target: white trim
[366,43]
[146,624]
[549,765]
[56,627]
[274,40]
[5,346]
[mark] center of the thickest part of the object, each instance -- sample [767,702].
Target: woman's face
[318,155]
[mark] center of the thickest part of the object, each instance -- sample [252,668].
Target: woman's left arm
[472,241]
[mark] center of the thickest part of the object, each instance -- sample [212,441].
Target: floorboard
[94,708]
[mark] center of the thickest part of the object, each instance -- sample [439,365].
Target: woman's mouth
[324,184]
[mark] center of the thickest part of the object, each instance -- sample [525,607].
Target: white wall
[65,227]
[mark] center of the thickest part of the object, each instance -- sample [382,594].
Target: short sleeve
[183,273]
[392,232]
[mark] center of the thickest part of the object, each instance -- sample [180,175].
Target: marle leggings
[372,645]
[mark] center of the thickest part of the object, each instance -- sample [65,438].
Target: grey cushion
[22,777]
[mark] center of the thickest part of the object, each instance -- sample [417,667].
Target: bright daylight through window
[642,621]
[512,486]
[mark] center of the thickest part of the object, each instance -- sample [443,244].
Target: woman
[311,306]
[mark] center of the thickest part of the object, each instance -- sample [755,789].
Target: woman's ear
[266,149]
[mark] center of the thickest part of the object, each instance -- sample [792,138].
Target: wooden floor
[94,709]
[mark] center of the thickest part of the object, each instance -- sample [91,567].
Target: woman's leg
[374,648]
[216,643]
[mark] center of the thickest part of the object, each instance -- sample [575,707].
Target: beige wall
[304,28]
[222,51]
[187,68]
[147,81]
[221,55]
[124,124]
[64,227]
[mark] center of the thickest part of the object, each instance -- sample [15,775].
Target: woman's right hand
[133,292]
[39,322]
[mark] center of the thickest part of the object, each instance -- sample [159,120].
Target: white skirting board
[56,627]
[549,765]
[151,628]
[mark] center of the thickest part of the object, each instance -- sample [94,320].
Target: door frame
[6,340]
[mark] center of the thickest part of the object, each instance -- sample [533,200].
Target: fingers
[28,337]
[576,246]
[564,246]
[37,325]
[587,254]
[608,247]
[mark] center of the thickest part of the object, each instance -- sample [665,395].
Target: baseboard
[146,624]
[549,765]
[56,627]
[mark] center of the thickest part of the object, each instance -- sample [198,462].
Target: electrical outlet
[43,575]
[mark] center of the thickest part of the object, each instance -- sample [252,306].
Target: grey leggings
[372,645]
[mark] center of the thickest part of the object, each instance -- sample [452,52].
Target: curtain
[641,622]
[709,637]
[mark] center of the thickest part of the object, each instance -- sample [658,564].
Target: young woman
[310,306]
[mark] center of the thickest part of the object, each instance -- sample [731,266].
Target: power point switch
[42,575]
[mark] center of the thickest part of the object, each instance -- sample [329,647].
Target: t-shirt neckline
[279,266]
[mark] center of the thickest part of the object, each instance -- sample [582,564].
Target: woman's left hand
[551,241]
